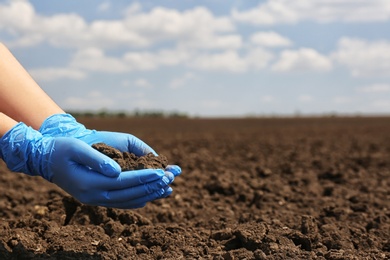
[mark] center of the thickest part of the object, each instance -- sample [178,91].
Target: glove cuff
[22,150]
[63,125]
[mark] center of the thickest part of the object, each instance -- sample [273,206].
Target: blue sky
[206,58]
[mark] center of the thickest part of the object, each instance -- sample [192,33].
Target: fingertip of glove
[167,192]
[168,178]
[175,169]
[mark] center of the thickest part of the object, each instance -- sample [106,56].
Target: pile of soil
[129,161]
[250,189]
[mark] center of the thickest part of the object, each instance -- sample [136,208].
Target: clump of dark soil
[129,161]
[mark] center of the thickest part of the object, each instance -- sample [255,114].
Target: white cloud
[51,74]
[364,58]
[104,6]
[16,18]
[143,83]
[16,15]
[211,103]
[20,19]
[342,100]
[93,99]
[171,57]
[110,34]
[162,22]
[94,59]
[381,104]
[193,28]
[302,60]
[258,58]
[140,83]
[305,98]
[270,39]
[287,11]
[142,60]
[181,81]
[132,9]
[232,41]
[24,41]
[268,99]
[375,88]
[232,61]
[225,61]
[270,12]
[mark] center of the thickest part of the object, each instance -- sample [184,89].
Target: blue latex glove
[66,125]
[88,175]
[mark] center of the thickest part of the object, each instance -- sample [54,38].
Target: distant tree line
[122,114]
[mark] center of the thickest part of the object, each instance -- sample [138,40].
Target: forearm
[6,123]
[20,96]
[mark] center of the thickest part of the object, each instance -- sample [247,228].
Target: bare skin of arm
[6,123]
[21,98]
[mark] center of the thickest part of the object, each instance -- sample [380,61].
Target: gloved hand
[88,175]
[66,125]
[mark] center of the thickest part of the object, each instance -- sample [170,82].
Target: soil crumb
[130,161]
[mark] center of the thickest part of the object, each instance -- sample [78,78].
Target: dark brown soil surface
[129,161]
[250,189]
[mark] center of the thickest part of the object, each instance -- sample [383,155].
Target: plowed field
[304,188]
